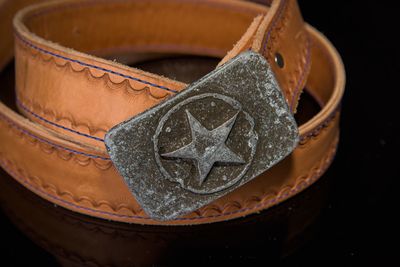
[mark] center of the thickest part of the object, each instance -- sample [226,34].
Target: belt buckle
[219,133]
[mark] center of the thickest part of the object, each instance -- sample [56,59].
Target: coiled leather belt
[71,99]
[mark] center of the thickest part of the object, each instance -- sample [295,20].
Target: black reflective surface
[347,218]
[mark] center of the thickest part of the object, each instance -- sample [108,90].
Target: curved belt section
[72,98]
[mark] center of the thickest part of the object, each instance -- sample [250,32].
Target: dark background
[356,225]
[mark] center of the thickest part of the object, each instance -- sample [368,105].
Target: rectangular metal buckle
[216,135]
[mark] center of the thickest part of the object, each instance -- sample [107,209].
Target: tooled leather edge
[99,131]
[105,163]
[265,201]
[298,76]
[83,159]
[39,54]
[46,116]
[84,128]
[313,134]
[64,153]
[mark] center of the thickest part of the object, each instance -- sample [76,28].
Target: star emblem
[207,146]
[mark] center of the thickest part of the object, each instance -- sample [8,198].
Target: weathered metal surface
[219,133]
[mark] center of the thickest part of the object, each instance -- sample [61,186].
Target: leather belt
[71,99]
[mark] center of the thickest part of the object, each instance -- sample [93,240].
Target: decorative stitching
[42,140]
[88,154]
[88,72]
[301,183]
[317,130]
[29,44]
[19,103]
[337,110]
[303,74]
[91,129]
[274,24]
[283,18]
[303,139]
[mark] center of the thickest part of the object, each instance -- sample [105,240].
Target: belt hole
[279,60]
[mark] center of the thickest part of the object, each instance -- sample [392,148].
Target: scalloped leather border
[265,201]
[85,71]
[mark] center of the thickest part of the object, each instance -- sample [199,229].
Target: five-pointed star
[207,147]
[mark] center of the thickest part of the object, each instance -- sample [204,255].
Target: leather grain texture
[70,97]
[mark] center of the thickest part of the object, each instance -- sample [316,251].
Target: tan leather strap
[59,99]
[72,98]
